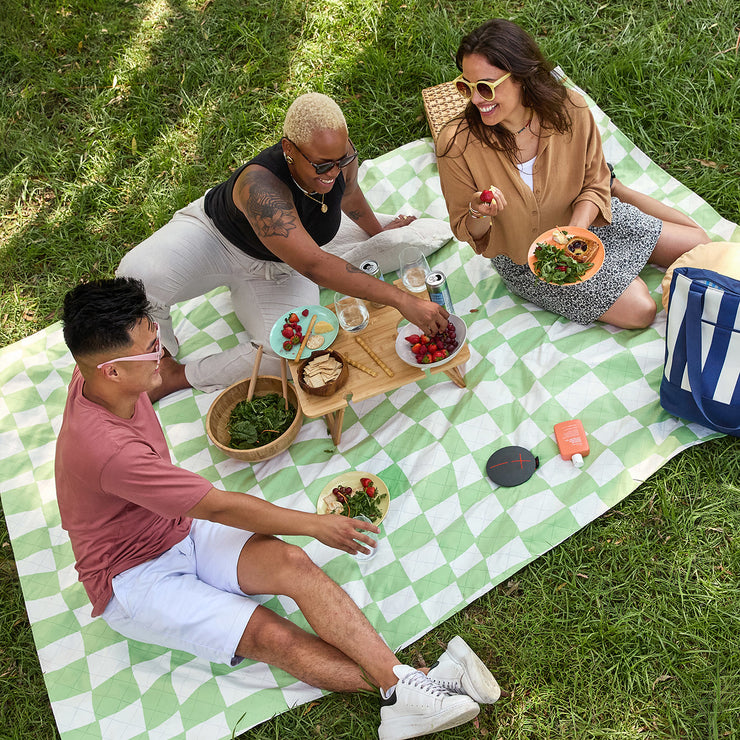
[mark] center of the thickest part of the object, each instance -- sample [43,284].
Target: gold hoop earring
[289,159]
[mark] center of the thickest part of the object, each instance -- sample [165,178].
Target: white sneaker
[418,706]
[461,671]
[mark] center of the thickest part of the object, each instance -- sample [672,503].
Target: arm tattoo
[352,268]
[270,212]
[354,215]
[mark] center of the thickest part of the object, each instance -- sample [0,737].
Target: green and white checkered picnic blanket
[450,535]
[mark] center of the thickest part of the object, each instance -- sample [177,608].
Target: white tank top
[526,170]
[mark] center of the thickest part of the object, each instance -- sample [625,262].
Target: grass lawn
[116,113]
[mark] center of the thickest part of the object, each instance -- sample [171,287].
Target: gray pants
[188,257]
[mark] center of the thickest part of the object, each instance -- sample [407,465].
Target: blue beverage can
[438,290]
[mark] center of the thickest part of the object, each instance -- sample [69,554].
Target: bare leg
[675,240]
[345,639]
[273,639]
[680,233]
[634,309]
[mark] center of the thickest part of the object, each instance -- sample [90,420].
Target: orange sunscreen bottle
[572,441]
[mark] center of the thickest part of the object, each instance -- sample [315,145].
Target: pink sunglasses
[149,356]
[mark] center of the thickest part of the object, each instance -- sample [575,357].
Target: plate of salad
[288,331]
[566,256]
[355,492]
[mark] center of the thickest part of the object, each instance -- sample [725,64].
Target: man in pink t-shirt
[166,558]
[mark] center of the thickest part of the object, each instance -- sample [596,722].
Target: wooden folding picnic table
[380,337]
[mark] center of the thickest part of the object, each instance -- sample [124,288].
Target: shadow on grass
[118,117]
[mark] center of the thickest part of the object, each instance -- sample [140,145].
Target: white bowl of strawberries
[419,350]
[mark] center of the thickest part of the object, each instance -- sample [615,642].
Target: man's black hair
[99,316]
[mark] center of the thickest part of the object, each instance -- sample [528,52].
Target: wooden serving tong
[255,373]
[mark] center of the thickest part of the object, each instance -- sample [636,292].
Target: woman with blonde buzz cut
[260,233]
[309,113]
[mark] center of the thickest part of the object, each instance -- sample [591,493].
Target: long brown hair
[507,46]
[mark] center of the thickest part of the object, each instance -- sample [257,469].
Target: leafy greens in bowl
[219,416]
[260,421]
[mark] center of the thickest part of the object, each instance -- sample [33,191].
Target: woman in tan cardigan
[537,143]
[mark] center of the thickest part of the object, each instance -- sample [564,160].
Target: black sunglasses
[324,167]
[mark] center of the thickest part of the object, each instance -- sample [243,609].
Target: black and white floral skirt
[628,243]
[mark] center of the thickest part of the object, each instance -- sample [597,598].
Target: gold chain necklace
[324,207]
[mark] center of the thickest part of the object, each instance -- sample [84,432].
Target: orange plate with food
[580,244]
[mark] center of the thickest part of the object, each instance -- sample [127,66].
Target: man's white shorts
[188,598]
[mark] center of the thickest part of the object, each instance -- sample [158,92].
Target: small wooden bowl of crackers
[323,373]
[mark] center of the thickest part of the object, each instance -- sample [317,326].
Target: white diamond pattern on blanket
[420,563]
[589,388]
[444,602]
[399,603]
[22,523]
[75,712]
[478,432]
[170,728]
[440,516]
[62,652]
[40,562]
[604,467]
[50,606]
[535,509]
[149,671]
[105,663]
[405,509]
[467,471]
[508,558]
[613,150]
[483,512]
[122,725]
[188,677]
[587,509]
[611,433]
[450,534]
[465,562]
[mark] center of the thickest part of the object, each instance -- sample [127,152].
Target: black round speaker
[511,466]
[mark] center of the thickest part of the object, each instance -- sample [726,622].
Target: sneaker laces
[429,686]
[453,687]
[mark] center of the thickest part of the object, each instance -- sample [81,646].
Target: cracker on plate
[314,341]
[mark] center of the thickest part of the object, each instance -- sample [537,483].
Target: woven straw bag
[442,103]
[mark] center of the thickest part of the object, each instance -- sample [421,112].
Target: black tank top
[233,224]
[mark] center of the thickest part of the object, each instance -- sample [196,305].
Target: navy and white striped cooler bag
[701,377]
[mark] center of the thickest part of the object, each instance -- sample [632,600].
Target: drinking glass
[351,312]
[414,269]
[373,550]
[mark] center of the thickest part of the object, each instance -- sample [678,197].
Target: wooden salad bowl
[217,420]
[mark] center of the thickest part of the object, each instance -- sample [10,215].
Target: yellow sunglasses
[487,90]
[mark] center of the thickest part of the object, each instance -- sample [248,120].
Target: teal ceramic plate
[322,314]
